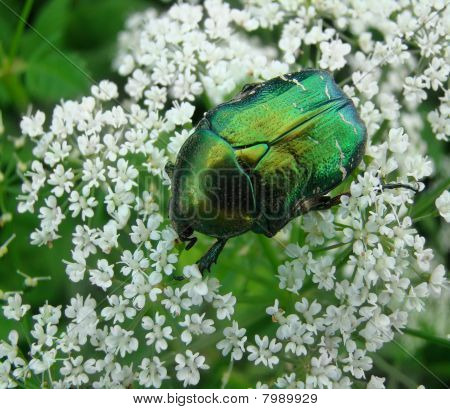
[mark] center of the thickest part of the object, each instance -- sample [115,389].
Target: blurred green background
[34,74]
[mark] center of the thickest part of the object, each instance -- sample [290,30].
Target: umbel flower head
[344,288]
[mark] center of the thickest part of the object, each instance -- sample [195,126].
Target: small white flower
[188,366]
[157,334]
[105,90]
[224,304]
[32,125]
[333,54]
[376,383]
[288,381]
[121,341]
[398,140]
[174,301]
[234,342]
[118,309]
[180,114]
[195,325]
[437,280]
[152,372]
[443,205]
[14,309]
[102,275]
[134,263]
[143,286]
[76,372]
[264,351]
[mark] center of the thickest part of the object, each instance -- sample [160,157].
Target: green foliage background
[33,73]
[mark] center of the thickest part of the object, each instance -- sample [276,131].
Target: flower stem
[431,338]
[394,372]
[19,30]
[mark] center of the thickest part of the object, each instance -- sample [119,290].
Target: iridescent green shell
[297,135]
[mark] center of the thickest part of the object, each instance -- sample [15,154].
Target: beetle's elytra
[270,154]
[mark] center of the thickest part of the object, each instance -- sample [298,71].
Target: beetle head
[211,193]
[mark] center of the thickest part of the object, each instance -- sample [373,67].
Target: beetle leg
[326,202]
[192,241]
[169,168]
[322,203]
[211,255]
[399,185]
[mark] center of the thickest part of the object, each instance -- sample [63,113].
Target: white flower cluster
[361,269]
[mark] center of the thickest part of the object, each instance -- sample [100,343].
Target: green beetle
[267,156]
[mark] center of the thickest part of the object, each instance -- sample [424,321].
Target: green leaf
[53,77]
[96,23]
[48,28]
[426,200]
[4,95]
[53,18]
[431,338]
[6,29]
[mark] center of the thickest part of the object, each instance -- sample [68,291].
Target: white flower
[121,341]
[323,373]
[398,140]
[443,205]
[157,334]
[143,286]
[333,54]
[291,276]
[174,301]
[224,304]
[152,372]
[40,364]
[297,335]
[195,325]
[198,288]
[414,89]
[107,238]
[376,383]
[180,114]
[357,362]
[32,125]
[82,204]
[61,179]
[137,83]
[134,263]
[14,309]
[234,342]
[76,372]
[118,309]
[188,366]
[105,90]
[82,313]
[102,275]
[437,280]
[288,381]
[264,351]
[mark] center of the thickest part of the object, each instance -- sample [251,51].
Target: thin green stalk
[19,30]
[431,338]
[434,213]
[227,374]
[333,246]
[427,200]
[394,372]
[268,250]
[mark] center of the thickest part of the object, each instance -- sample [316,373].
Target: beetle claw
[192,241]
[205,263]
